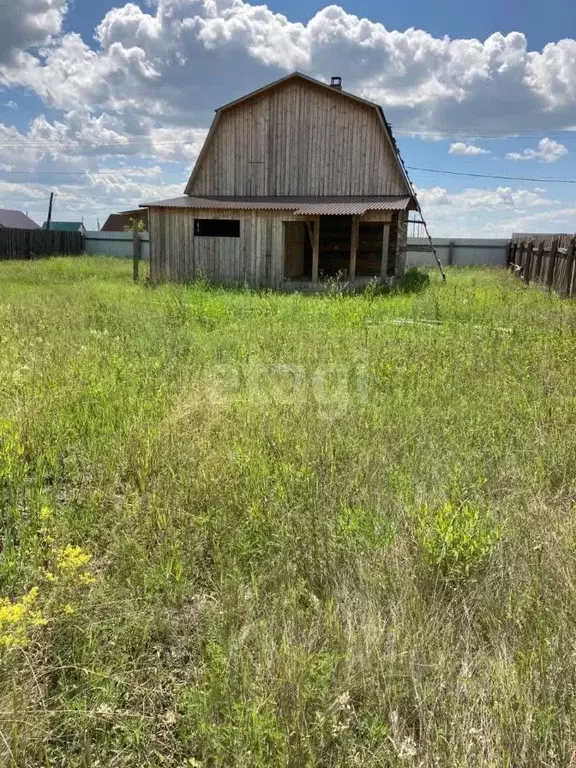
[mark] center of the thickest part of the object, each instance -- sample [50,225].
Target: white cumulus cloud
[477,198]
[548,151]
[470,150]
[179,61]
[26,23]
[143,91]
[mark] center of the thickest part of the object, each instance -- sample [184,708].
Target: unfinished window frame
[228,228]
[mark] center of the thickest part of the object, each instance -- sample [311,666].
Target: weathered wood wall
[257,257]
[295,238]
[36,243]
[548,259]
[298,139]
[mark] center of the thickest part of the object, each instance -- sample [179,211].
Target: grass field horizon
[243,528]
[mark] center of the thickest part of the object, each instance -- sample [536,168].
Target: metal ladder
[432,246]
[418,208]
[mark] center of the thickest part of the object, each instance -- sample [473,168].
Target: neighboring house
[15,220]
[66,226]
[296,181]
[123,221]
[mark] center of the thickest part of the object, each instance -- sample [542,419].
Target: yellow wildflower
[17,618]
[86,578]
[68,609]
[46,513]
[72,558]
[50,577]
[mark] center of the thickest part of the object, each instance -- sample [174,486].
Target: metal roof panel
[10,219]
[302,206]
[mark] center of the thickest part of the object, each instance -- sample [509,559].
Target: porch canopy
[303,206]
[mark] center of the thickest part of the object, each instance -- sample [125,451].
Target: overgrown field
[246,529]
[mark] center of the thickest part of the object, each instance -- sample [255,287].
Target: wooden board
[298,139]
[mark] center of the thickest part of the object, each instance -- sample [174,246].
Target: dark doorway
[369,256]
[335,241]
[297,250]
[334,252]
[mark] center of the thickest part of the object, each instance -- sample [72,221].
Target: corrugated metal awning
[352,208]
[302,206]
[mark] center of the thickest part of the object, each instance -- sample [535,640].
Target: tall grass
[248,529]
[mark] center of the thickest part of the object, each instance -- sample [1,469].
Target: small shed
[297,182]
[66,226]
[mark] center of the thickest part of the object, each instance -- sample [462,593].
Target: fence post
[538,264]
[570,266]
[520,259]
[135,251]
[529,249]
[552,264]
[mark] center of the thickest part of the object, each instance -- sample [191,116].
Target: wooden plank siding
[547,259]
[37,243]
[299,139]
[256,257]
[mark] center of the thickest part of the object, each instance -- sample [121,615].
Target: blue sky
[108,104]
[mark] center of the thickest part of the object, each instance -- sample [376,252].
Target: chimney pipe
[336,82]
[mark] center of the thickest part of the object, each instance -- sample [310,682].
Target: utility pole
[135,250]
[49,221]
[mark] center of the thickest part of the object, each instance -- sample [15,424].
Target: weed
[414,280]
[236,569]
[456,539]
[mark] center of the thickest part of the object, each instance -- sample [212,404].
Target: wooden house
[10,219]
[296,182]
[124,221]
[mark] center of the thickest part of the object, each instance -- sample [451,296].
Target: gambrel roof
[298,76]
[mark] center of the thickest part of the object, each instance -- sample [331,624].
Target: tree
[140,226]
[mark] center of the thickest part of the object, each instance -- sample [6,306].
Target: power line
[121,143]
[492,176]
[118,172]
[126,142]
[140,174]
[151,145]
[562,133]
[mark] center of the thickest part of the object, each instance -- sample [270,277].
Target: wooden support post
[552,264]
[508,255]
[538,264]
[353,247]
[385,247]
[451,247]
[528,267]
[135,251]
[520,259]
[570,266]
[316,250]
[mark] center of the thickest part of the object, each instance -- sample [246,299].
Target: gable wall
[299,139]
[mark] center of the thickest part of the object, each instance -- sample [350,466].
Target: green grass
[283,530]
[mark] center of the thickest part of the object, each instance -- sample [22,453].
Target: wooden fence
[547,259]
[37,243]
